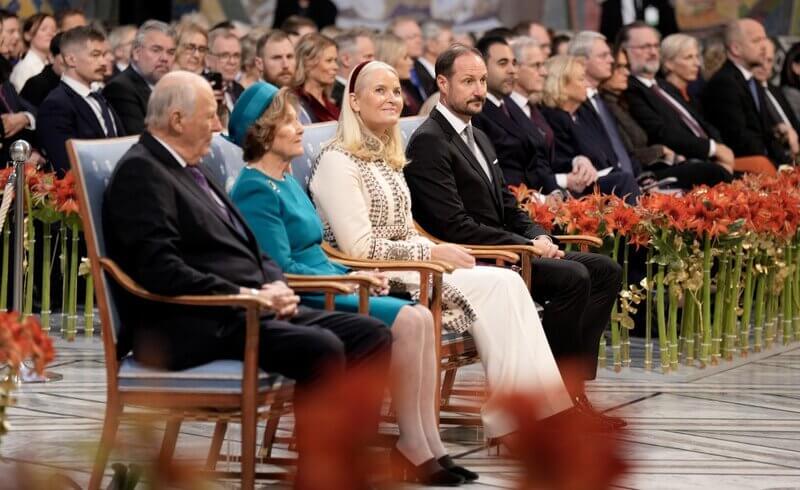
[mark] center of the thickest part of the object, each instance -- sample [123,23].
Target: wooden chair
[220,391]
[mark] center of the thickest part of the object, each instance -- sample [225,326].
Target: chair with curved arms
[221,391]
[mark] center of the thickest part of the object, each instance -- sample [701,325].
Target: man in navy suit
[76,108]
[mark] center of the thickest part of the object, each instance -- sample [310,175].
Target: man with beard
[152,55]
[276,59]
[458,194]
[733,99]
[75,108]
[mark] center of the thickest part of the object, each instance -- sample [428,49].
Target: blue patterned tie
[105,111]
[610,125]
[753,86]
[414,77]
[202,182]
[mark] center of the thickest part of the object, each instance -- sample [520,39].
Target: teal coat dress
[287,228]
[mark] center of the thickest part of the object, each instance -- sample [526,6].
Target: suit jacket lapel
[84,110]
[187,182]
[497,115]
[455,139]
[497,176]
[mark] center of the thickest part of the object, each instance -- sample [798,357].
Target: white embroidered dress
[366,210]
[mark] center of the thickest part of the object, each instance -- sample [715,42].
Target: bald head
[745,41]
[182,112]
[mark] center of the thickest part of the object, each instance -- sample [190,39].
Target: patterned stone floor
[731,429]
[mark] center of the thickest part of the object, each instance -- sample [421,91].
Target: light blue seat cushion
[223,377]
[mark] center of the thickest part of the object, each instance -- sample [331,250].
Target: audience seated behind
[151,58]
[315,76]
[39,86]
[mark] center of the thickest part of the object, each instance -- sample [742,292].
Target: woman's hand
[381,290]
[455,255]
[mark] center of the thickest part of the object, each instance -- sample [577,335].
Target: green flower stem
[648,321]
[747,307]
[758,321]
[788,299]
[796,290]
[625,334]
[30,266]
[732,303]
[6,270]
[719,308]
[705,325]
[663,342]
[772,308]
[73,284]
[64,266]
[615,337]
[688,320]
[673,328]
[47,266]
[88,310]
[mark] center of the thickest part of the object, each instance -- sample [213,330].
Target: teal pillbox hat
[250,106]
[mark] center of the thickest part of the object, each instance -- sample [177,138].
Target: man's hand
[14,123]
[724,156]
[549,249]
[284,300]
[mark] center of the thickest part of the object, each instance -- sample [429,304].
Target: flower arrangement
[722,265]
[20,341]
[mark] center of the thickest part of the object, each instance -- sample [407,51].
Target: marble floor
[731,429]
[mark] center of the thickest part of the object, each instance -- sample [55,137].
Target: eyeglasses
[193,48]
[227,56]
[645,46]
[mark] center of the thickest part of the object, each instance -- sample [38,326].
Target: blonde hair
[308,50]
[390,49]
[673,45]
[353,135]
[561,70]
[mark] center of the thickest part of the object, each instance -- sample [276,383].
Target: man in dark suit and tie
[781,117]
[458,194]
[225,58]
[76,108]
[734,100]
[151,58]
[170,227]
[665,116]
[355,47]
[436,37]
[407,29]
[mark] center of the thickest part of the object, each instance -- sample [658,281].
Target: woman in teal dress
[264,123]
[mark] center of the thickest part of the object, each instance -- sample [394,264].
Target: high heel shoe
[429,473]
[447,463]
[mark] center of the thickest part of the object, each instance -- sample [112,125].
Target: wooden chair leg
[271,429]
[216,444]
[169,442]
[447,386]
[110,426]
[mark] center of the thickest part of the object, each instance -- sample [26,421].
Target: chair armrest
[517,249]
[589,240]
[334,287]
[396,265]
[360,279]
[240,300]
[501,255]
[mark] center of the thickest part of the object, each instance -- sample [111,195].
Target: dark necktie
[105,111]
[414,77]
[540,123]
[610,125]
[202,182]
[689,121]
[505,109]
[753,86]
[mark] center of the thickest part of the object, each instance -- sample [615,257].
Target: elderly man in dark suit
[458,194]
[176,232]
[734,101]
[76,108]
[152,56]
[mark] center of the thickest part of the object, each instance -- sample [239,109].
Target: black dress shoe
[429,473]
[583,402]
[447,463]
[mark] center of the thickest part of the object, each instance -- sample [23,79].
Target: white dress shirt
[429,67]
[83,90]
[522,102]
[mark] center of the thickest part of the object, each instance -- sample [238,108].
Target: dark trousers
[693,173]
[577,293]
[622,184]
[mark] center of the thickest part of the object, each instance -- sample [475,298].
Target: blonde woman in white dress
[362,198]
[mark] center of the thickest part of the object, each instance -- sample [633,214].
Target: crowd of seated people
[563,114]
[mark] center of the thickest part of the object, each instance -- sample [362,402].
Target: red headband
[354,76]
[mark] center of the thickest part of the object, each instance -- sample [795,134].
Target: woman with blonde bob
[277,209]
[392,50]
[364,202]
[314,77]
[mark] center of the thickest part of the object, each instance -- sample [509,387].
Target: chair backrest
[93,162]
[224,161]
[313,138]
[408,125]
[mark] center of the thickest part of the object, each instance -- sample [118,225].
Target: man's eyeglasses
[646,46]
[227,56]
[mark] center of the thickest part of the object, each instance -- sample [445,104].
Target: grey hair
[521,44]
[347,41]
[674,44]
[581,44]
[151,26]
[221,33]
[170,96]
[118,34]
[431,29]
